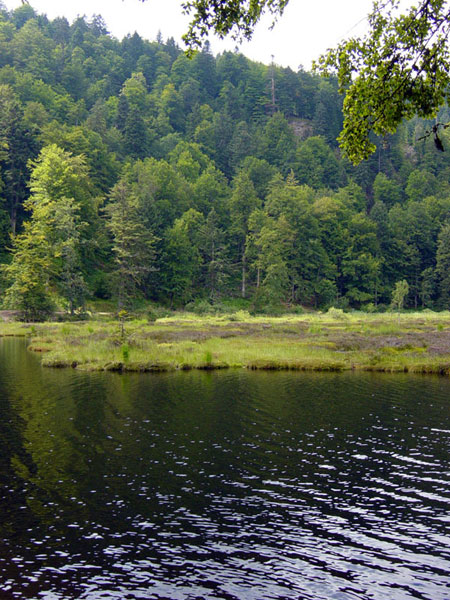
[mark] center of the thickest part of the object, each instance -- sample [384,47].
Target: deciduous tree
[399,69]
[46,255]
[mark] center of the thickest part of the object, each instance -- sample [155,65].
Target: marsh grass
[416,342]
[16,329]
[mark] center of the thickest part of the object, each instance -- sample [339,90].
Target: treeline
[129,171]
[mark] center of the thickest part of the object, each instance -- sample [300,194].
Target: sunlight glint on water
[222,485]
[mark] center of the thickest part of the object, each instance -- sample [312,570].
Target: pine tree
[242,203]
[133,244]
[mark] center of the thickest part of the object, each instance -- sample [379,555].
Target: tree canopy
[235,17]
[129,173]
[400,68]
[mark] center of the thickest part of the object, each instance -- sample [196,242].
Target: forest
[132,173]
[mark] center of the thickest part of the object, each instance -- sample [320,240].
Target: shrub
[157,312]
[200,307]
[297,309]
[240,315]
[337,313]
[370,307]
[125,352]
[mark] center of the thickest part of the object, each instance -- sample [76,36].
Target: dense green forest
[130,172]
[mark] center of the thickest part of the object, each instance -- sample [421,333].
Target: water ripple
[234,485]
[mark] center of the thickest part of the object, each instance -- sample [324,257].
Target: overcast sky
[305,31]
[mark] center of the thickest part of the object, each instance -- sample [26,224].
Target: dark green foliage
[215,257]
[46,256]
[181,262]
[443,266]
[278,143]
[133,244]
[399,69]
[316,164]
[386,191]
[17,147]
[180,181]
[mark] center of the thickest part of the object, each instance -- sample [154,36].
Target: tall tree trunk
[13,218]
[244,275]
[212,272]
[121,294]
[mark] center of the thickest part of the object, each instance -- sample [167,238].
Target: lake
[223,484]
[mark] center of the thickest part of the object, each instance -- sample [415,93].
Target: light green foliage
[135,91]
[399,294]
[28,274]
[83,141]
[337,313]
[316,164]
[32,51]
[386,191]
[46,254]
[58,174]
[227,193]
[399,69]
[230,16]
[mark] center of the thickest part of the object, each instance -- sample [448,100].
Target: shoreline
[332,341]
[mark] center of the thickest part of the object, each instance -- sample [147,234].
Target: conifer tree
[133,244]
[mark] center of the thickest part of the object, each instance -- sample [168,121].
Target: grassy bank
[407,342]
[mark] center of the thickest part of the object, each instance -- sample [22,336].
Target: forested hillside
[131,172]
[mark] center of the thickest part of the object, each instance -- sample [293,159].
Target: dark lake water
[233,484]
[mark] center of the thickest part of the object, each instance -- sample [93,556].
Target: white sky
[306,29]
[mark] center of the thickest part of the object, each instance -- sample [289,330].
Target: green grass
[16,329]
[407,342]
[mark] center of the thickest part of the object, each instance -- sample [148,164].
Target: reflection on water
[229,485]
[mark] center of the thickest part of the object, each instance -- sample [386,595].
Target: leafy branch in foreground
[398,70]
[226,17]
